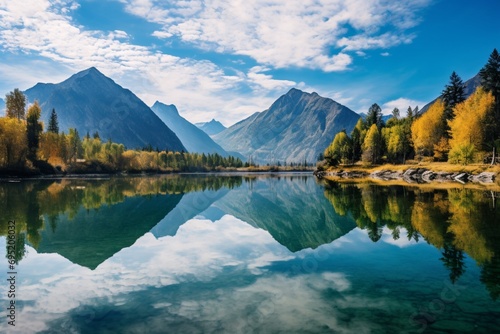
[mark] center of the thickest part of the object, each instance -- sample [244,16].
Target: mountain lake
[281,253]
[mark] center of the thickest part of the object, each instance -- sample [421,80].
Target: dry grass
[434,166]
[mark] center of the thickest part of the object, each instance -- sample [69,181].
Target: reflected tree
[453,260]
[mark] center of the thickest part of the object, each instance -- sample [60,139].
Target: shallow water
[252,254]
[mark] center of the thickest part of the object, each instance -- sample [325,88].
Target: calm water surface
[251,254]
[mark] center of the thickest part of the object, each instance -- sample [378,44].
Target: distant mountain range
[193,138]
[385,118]
[211,128]
[89,101]
[2,108]
[297,127]
[470,87]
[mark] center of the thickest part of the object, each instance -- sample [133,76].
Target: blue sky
[228,59]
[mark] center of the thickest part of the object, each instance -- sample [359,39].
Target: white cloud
[385,54]
[277,34]
[256,75]
[291,33]
[402,104]
[200,89]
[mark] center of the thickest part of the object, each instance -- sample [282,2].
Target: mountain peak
[211,128]
[294,91]
[165,108]
[90,101]
[91,72]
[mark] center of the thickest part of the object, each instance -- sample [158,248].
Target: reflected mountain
[455,220]
[92,236]
[291,208]
[87,221]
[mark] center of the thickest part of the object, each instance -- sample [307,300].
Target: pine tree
[33,130]
[453,94]
[395,113]
[490,80]
[15,104]
[374,116]
[490,75]
[53,123]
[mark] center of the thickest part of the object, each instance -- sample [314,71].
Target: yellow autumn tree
[467,129]
[427,130]
[13,143]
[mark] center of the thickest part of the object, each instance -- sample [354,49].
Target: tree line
[453,129]
[25,146]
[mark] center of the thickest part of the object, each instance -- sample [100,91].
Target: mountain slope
[297,127]
[193,138]
[89,101]
[211,128]
[470,87]
[2,108]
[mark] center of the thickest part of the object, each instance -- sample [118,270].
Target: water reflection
[87,221]
[292,209]
[233,254]
[454,220]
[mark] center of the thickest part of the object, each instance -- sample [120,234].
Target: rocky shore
[412,175]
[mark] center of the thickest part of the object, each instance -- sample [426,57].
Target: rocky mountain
[193,138]
[89,101]
[298,126]
[470,87]
[211,128]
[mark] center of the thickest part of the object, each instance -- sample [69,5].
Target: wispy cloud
[320,35]
[402,104]
[200,88]
[292,33]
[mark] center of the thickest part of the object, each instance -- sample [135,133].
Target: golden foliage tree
[13,144]
[427,130]
[467,129]
[372,145]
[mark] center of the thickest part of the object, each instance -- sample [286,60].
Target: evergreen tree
[374,116]
[453,94]
[53,123]
[33,130]
[490,75]
[395,113]
[490,80]
[409,114]
[15,104]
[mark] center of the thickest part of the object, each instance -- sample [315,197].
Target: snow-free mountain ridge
[211,128]
[297,127]
[193,138]
[89,101]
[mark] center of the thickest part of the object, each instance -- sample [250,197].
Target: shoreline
[412,175]
[106,176]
